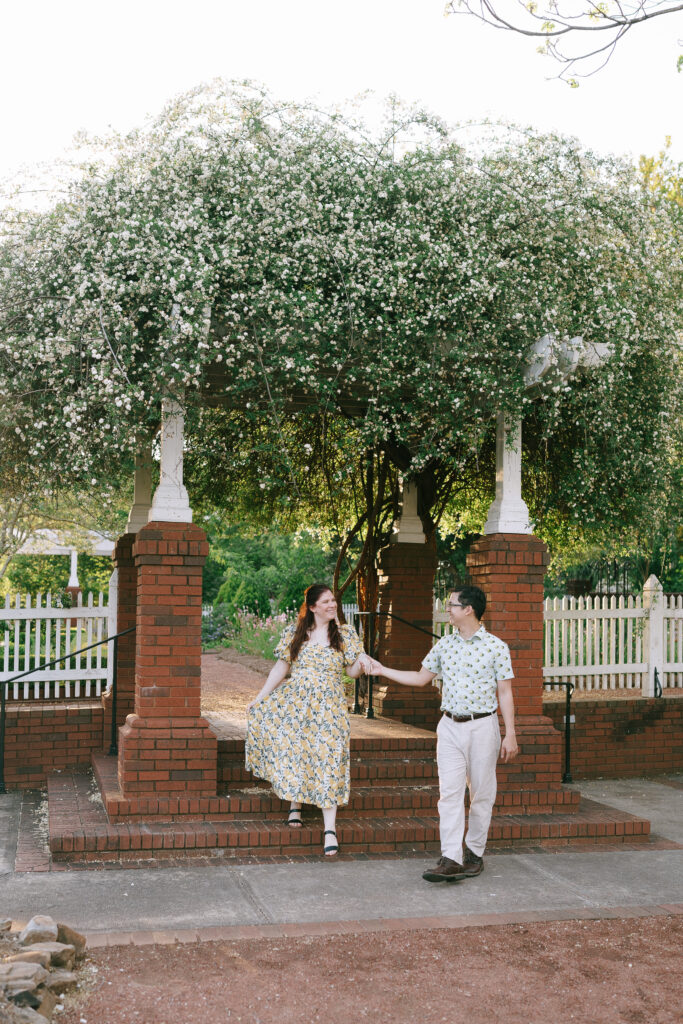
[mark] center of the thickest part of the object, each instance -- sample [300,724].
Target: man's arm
[508,748]
[421,678]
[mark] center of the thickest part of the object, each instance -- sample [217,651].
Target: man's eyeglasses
[454,604]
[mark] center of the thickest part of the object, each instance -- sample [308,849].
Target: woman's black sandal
[295,822]
[331,851]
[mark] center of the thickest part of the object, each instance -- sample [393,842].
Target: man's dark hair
[473,598]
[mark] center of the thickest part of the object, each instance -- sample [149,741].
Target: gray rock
[30,956]
[39,929]
[71,937]
[6,925]
[61,955]
[62,981]
[21,977]
[25,1015]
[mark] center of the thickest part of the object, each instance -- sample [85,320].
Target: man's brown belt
[468,718]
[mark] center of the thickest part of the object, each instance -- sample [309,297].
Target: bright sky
[86,64]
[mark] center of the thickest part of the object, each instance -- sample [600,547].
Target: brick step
[259,803]
[365,801]
[393,771]
[409,772]
[249,798]
[378,836]
[398,800]
[79,829]
[254,799]
[537,800]
[384,747]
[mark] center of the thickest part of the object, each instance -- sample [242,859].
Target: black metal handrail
[413,625]
[49,664]
[658,685]
[370,642]
[567,776]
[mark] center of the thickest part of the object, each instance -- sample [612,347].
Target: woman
[298,727]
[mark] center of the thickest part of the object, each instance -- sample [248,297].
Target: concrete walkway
[226,899]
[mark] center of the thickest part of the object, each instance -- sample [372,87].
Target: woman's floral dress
[298,736]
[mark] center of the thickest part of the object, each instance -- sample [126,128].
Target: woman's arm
[356,669]
[359,666]
[277,675]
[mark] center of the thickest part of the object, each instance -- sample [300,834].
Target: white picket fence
[33,631]
[609,643]
[596,643]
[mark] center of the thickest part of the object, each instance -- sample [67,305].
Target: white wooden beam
[142,493]
[171,503]
[508,512]
[73,570]
[409,526]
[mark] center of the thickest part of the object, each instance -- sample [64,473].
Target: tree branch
[553,24]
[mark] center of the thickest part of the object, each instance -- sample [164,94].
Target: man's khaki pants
[466,755]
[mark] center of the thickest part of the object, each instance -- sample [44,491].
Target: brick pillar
[166,749]
[509,568]
[407,589]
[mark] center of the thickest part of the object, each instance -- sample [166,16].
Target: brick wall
[622,737]
[41,738]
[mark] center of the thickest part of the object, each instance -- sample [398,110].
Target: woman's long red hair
[306,620]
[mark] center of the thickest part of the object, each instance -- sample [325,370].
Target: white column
[142,493]
[508,512]
[653,634]
[409,527]
[171,503]
[73,574]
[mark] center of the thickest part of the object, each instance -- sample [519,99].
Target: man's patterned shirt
[470,670]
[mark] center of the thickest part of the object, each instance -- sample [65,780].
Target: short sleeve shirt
[471,670]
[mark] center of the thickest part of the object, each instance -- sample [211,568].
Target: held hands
[370,666]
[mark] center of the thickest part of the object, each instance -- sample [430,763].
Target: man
[477,677]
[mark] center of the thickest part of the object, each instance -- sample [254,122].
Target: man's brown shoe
[445,871]
[472,865]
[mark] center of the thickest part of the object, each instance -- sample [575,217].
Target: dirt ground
[594,972]
[230,680]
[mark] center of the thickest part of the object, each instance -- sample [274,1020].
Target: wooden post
[142,493]
[653,637]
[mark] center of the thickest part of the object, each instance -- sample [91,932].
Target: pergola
[167,752]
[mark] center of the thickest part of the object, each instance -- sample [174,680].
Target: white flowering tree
[329,315]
